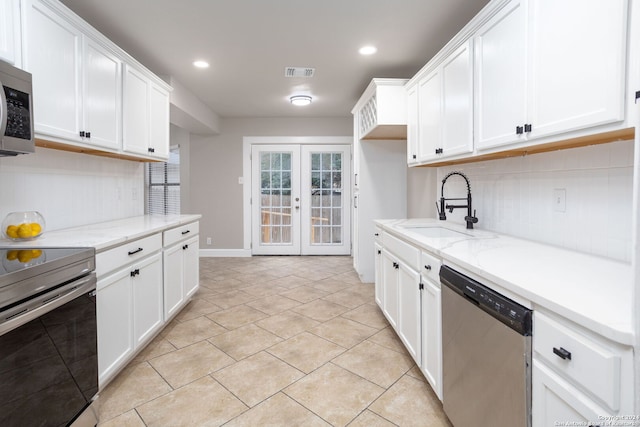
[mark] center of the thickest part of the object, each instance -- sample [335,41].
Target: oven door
[48,358]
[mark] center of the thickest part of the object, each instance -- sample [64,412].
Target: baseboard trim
[225,253]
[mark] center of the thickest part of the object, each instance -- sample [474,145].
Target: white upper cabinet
[544,67]
[412,124]
[445,114]
[159,121]
[577,64]
[10,40]
[500,77]
[382,110]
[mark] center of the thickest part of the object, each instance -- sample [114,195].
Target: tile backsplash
[71,189]
[515,196]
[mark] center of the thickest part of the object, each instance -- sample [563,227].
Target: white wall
[516,196]
[71,189]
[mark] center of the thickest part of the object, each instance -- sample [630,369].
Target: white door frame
[245,179]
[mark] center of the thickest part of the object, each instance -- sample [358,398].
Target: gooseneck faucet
[470,219]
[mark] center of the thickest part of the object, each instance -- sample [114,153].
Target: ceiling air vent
[299,71]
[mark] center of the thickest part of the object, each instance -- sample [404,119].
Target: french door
[300,199]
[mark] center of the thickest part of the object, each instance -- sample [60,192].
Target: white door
[300,199]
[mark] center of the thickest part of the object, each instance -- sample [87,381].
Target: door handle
[297,207]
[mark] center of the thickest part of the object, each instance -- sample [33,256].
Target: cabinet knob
[151,150]
[379,251]
[527,128]
[414,157]
[82,133]
[519,130]
[439,150]
[88,135]
[185,247]
[377,234]
[427,267]
[562,353]
[135,272]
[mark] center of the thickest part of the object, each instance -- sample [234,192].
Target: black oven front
[48,356]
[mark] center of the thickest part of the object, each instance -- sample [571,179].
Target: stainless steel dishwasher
[486,354]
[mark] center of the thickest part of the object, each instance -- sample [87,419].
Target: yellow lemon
[24,256]
[12,231]
[35,228]
[35,253]
[24,231]
[11,255]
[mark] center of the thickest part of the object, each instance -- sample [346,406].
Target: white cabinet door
[500,78]
[412,125]
[390,288]
[379,290]
[146,282]
[135,112]
[158,121]
[432,335]
[53,47]
[115,322]
[577,64]
[173,280]
[409,327]
[102,107]
[555,400]
[457,102]
[191,260]
[10,38]
[430,112]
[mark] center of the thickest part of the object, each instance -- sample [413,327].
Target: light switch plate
[559,199]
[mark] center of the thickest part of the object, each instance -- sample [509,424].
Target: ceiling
[248,44]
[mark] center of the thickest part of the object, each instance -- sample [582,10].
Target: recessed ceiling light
[367,50]
[300,100]
[201,64]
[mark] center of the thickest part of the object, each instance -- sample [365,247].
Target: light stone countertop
[595,292]
[104,235]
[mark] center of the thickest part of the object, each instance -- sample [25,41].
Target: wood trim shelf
[85,150]
[583,141]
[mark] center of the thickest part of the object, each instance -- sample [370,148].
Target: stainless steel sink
[435,232]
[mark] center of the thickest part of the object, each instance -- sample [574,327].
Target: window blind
[163,185]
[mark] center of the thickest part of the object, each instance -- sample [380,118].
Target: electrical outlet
[560,200]
[208,240]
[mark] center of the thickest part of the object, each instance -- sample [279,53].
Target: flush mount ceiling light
[300,100]
[367,50]
[201,64]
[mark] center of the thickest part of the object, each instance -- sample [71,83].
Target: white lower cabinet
[378,275]
[129,312]
[389,288]
[409,310]
[432,334]
[181,264]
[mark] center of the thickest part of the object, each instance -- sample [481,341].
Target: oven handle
[36,307]
[3,111]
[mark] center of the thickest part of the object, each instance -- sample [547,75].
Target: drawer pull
[562,353]
[427,267]
[186,232]
[135,252]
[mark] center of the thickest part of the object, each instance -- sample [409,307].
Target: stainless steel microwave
[16,111]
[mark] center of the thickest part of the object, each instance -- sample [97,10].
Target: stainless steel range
[48,350]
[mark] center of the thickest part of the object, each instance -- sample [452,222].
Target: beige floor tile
[257,377]
[196,308]
[388,338]
[273,304]
[230,299]
[278,411]
[262,290]
[335,394]
[287,324]
[306,351]
[369,419]
[321,310]
[304,294]
[134,386]
[375,363]
[410,402]
[343,332]
[368,314]
[155,348]
[244,341]
[331,285]
[314,273]
[416,373]
[235,317]
[348,298]
[191,331]
[190,363]
[202,403]
[128,419]
[290,281]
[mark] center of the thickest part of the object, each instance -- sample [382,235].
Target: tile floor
[274,341]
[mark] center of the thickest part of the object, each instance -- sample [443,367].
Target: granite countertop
[104,235]
[593,291]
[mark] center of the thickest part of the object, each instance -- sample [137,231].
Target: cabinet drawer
[179,233]
[579,358]
[403,250]
[124,254]
[430,266]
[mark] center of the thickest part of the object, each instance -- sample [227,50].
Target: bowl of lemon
[20,226]
[17,259]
